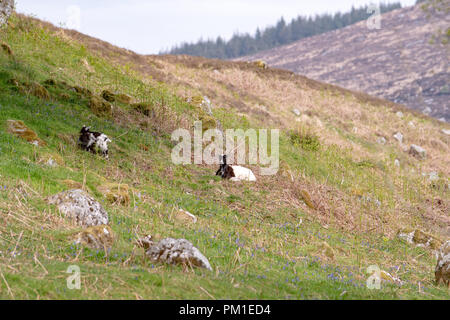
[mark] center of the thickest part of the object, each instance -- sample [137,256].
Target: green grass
[256,252]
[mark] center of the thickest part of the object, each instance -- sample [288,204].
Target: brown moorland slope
[400,62]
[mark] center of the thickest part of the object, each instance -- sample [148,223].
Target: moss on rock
[145,108]
[97,237]
[115,193]
[108,96]
[100,107]
[19,129]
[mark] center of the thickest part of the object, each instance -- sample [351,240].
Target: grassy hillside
[262,239]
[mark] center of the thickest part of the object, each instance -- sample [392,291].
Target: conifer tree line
[280,34]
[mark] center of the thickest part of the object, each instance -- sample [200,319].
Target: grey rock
[427,111]
[399,114]
[399,137]
[296,112]
[397,163]
[432,176]
[381,140]
[418,152]
[177,251]
[446,132]
[6,8]
[81,207]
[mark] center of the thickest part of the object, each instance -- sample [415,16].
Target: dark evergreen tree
[280,34]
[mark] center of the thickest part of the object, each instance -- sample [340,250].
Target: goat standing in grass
[89,140]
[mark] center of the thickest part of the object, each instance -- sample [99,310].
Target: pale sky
[149,26]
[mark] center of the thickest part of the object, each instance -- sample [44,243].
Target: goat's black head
[85,129]
[224,167]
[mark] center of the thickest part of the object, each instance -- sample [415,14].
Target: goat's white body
[102,143]
[242,174]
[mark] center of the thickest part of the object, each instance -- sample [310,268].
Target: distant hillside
[278,35]
[401,62]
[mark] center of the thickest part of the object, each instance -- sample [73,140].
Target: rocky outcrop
[79,206]
[6,8]
[176,251]
[418,152]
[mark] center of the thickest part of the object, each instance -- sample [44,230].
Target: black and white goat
[89,140]
[234,173]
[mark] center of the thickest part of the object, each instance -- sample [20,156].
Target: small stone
[397,163]
[177,251]
[446,132]
[433,176]
[296,112]
[381,140]
[399,137]
[399,114]
[411,124]
[418,152]
[427,111]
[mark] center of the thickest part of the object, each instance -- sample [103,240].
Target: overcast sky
[148,26]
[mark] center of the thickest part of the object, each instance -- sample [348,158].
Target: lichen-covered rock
[6,9]
[97,237]
[177,251]
[79,206]
[442,271]
[115,192]
[419,238]
[418,152]
[19,128]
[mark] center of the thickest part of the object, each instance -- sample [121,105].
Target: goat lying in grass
[89,140]
[234,173]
